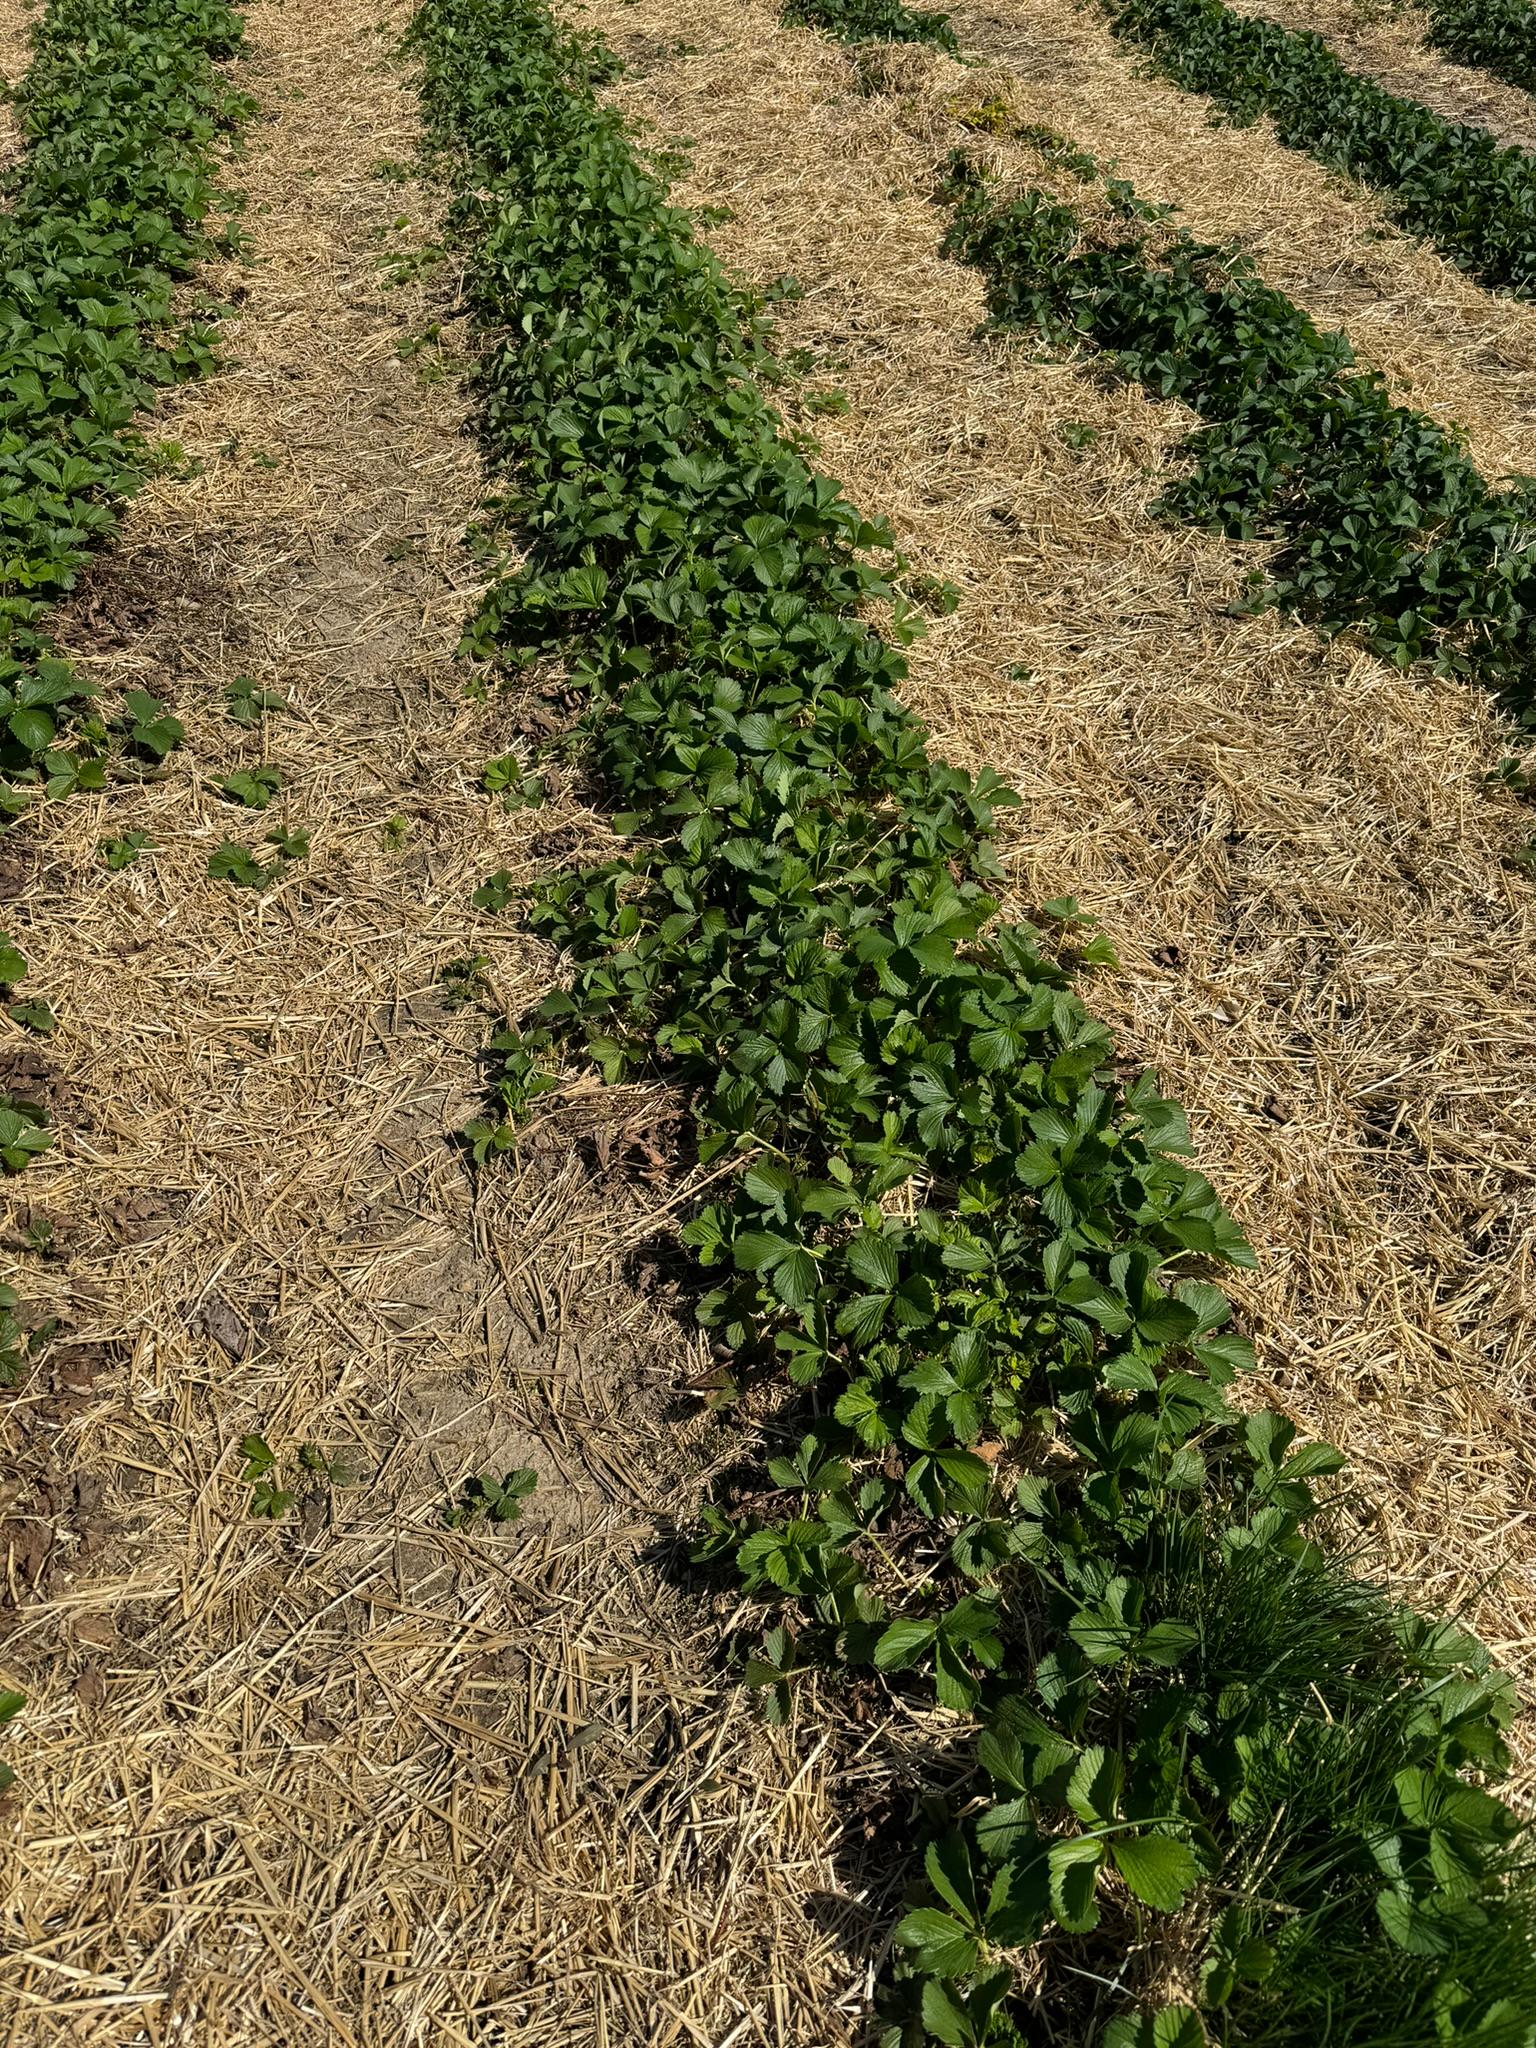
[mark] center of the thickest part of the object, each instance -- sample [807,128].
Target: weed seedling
[245,703]
[253,787]
[123,852]
[493,1500]
[269,1502]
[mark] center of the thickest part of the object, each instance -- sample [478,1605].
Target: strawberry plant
[25,1133]
[1207,1785]
[253,787]
[147,726]
[232,862]
[11,1704]
[485,1498]
[246,704]
[517,786]
[18,1345]
[123,851]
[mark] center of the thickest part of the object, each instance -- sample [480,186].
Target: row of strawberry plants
[1208,1785]
[120,110]
[1451,184]
[1384,524]
[875,21]
[1495,35]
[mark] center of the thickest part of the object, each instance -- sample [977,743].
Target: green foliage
[11,1704]
[485,1498]
[25,1133]
[233,862]
[874,21]
[246,704]
[1385,526]
[464,982]
[291,845]
[495,892]
[1451,184]
[253,787]
[269,1502]
[124,851]
[1497,35]
[517,786]
[120,113]
[259,1470]
[971,1250]
[147,727]
[19,1344]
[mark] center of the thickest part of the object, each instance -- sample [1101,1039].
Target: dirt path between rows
[15,53]
[1327,955]
[349,1774]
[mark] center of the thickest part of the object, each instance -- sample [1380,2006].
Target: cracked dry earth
[350,1774]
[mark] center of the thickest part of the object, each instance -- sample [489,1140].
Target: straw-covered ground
[13,61]
[359,1776]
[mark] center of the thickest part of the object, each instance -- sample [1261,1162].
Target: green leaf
[943,2018]
[1094,1789]
[939,1944]
[873,1259]
[1074,1870]
[948,1865]
[1172,2026]
[1160,1870]
[903,1643]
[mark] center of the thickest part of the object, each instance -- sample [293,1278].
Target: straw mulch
[1387,43]
[1327,955]
[15,52]
[352,1775]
